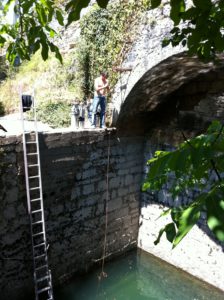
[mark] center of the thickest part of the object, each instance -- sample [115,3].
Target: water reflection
[138,276]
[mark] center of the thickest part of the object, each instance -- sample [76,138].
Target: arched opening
[175,93]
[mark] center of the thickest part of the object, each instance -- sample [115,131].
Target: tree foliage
[199,26]
[202,31]
[197,165]
[33,28]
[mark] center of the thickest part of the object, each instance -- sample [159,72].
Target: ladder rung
[39,233]
[37,222]
[43,290]
[42,267]
[42,274]
[40,256]
[37,199]
[39,245]
[33,177]
[34,188]
[43,278]
[36,211]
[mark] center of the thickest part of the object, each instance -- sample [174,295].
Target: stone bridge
[165,91]
[164,83]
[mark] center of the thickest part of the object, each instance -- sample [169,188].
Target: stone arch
[157,74]
[145,53]
[175,85]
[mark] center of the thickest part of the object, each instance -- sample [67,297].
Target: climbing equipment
[42,274]
[103,273]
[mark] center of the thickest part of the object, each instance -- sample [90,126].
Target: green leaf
[59,17]
[170,231]
[215,126]
[186,220]
[215,212]
[203,4]
[36,46]
[165,212]
[58,56]
[2,40]
[74,8]
[155,3]
[55,49]
[184,42]
[26,5]
[165,42]
[177,7]
[44,51]
[102,3]
[191,13]
[7,5]
[48,3]
[52,33]
[175,214]
[146,186]
[41,13]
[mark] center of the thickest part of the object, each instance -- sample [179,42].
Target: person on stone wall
[75,114]
[89,107]
[101,87]
[82,112]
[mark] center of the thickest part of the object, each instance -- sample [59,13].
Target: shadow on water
[138,276]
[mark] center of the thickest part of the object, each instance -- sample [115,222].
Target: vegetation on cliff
[103,44]
[54,85]
[105,39]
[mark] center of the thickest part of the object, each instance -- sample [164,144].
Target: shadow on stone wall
[171,90]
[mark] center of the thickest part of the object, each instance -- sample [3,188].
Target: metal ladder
[42,273]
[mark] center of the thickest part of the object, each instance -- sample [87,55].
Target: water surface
[138,276]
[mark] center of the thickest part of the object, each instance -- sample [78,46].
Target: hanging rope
[104,274]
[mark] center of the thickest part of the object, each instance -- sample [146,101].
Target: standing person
[89,107]
[75,114]
[101,87]
[82,111]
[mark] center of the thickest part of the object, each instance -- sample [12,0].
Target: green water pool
[138,276]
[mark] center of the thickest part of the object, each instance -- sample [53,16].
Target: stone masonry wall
[74,172]
[146,52]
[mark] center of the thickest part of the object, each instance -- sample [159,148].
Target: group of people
[94,107]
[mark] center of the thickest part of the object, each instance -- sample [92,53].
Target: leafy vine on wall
[106,36]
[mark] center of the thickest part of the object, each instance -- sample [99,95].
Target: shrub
[55,114]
